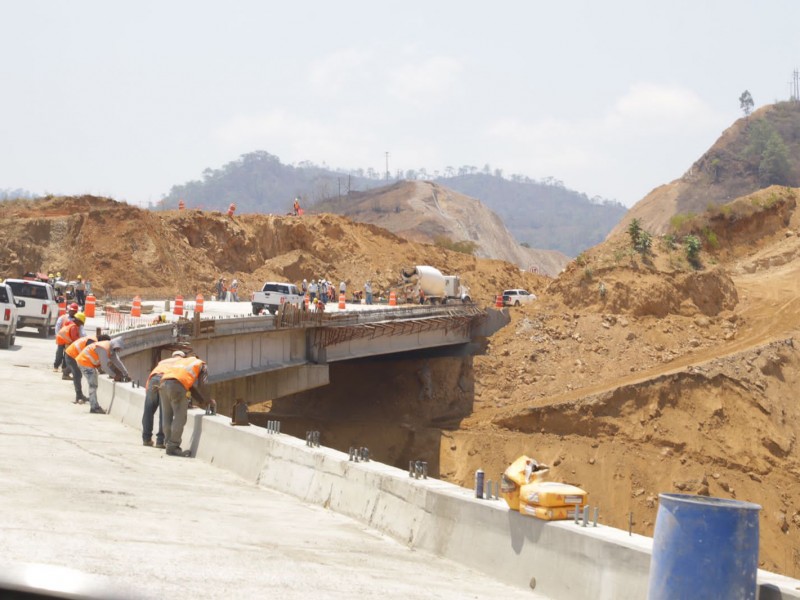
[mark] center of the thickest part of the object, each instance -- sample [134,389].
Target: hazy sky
[614,98]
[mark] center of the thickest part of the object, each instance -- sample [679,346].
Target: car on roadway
[8,315]
[40,309]
[516,297]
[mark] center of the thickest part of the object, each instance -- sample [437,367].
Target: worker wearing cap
[151,402]
[80,292]
[101,355]
[71,354]
[72,310]
[187,377]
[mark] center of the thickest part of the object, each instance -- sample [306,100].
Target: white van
[8,315]
[41,309]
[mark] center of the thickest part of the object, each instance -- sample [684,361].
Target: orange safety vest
[186,370]
[67,334]
[78,345]
[89,358]
[162,367]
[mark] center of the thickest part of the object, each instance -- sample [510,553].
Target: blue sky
[614,98]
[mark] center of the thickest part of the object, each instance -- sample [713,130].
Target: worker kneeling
[182,380]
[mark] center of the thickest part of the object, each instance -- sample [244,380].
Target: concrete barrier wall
[563,559]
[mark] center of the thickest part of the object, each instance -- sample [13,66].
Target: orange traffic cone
[306,300]
[181,205]
[136,309]
[392,298]
[499,302]
[342,304]
[91,301]
[198,303]
[62,308]
[178,308]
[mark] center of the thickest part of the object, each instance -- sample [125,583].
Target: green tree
[693,246]
[641,240]
[746,103]
[774,166]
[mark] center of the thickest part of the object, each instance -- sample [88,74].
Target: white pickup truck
[40,310]
[273,294]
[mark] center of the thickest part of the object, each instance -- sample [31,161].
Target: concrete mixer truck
[429,285]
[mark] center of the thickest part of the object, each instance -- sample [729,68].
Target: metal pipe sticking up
[596,514]
[585,515]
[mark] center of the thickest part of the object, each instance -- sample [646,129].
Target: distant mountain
[755,152]
[423,211]
[540,214]
[258,182]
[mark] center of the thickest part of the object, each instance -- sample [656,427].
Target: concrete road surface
[85,507]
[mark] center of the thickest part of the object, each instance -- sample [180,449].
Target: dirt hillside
[124,250]
[422,211]
[633,374]
[755,152]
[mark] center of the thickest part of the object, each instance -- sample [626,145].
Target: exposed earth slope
[423,211]
[633,374]
[755,152]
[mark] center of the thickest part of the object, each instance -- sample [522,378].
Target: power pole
[795,95]
[387,166]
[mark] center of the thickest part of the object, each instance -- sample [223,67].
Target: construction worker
[70,354]
[296,206]
[151,402]
[186,378]
[101,355]
[58,363]
[80,292]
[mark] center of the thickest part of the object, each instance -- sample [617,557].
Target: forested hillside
[542,215]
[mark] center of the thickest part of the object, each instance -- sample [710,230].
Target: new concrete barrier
[561,559]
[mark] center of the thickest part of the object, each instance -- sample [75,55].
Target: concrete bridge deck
[87,511]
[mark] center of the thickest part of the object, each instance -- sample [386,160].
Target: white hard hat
[180,353]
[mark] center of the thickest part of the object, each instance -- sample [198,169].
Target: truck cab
[40,309]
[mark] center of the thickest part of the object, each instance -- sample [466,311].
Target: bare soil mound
[633,374]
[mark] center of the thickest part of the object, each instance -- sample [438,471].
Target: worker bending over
[151,402]
[186,378]
[101,355]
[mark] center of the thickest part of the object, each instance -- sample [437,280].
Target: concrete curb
[561,559]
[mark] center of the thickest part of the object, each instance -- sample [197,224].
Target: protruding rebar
[596,514]
[585,515]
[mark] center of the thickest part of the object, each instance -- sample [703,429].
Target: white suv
[517,297]
[40,310]
[8,316]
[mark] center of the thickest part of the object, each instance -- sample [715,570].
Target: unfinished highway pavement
[87,510]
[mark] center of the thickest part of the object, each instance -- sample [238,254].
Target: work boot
[161,445]
[178,452]
[65,376]
[97,410]
[147,442]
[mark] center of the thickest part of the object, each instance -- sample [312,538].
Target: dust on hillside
[630,376]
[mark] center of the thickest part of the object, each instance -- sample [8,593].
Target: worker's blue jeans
[91,379]
[151,405]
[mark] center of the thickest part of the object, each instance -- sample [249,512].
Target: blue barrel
[704,548]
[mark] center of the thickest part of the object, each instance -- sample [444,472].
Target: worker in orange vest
[70,354]
[101,355]
[151,403]
[72,310]
[71,330]
[186,378]
[296,207]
